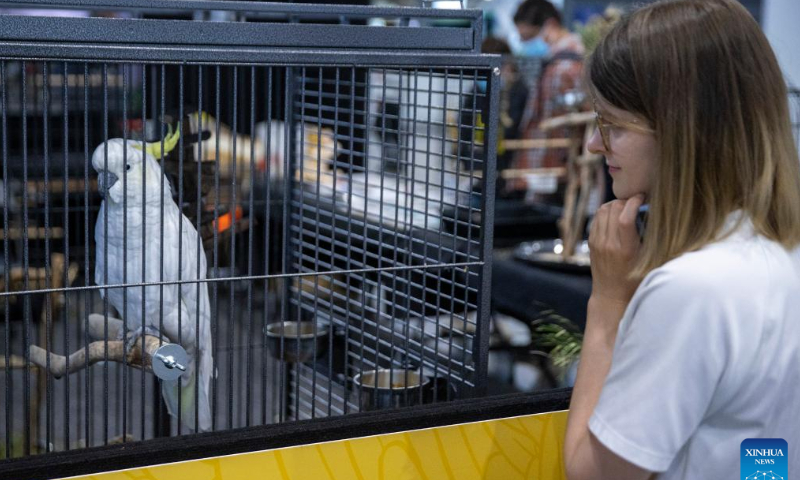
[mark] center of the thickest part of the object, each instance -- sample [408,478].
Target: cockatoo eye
[128,167]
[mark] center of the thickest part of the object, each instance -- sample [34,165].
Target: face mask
[535,47]
[482,85]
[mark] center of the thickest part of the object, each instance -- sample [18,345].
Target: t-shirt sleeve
[669,356]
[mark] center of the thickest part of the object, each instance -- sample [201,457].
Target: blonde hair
[703,74]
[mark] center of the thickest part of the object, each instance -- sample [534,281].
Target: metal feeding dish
[302,341]
[549,254]
[389,388]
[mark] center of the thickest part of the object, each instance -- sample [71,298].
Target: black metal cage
[328,167]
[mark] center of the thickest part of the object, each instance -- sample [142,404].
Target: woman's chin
[628,195]
[621,193]
[624,192]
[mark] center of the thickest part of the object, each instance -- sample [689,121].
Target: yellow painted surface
[527,447]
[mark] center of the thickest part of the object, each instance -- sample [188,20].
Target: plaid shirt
[559,76]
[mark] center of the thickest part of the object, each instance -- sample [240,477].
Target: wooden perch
[33,233]
[522,172]
[95,351]
[532,143]
[568,120]
[582,170]
[56,186]
[38,278]
[15,362]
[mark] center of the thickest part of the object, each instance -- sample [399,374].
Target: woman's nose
[596,143]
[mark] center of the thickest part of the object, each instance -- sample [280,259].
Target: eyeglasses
[603,125]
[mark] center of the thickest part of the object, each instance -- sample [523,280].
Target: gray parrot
[128,207]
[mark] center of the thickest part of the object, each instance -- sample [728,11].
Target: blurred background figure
[540,27]
[513,99]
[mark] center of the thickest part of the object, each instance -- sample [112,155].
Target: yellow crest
[170,141]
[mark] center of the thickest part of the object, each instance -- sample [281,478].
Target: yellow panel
[527,447]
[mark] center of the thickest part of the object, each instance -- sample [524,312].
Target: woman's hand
[613,245]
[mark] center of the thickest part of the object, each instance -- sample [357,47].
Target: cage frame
[89,40]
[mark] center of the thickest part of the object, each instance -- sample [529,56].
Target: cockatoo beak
[105,180]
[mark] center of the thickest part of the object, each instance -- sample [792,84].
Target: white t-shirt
[707,355]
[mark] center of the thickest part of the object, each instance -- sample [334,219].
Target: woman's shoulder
[733,266]
[710,290]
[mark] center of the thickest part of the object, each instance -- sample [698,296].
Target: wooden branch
[581,179]
[94,352]
[38,276]
[56,186]
[15,362]
[72,274]
[534,143]
[568,120]
[522,172]
[34,233]
[567,218]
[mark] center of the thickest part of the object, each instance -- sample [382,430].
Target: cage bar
[339,198]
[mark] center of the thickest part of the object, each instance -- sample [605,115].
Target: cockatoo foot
[134,335]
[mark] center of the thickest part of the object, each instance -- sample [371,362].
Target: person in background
[474,110]
[692,338]
[540,28]
[513,97]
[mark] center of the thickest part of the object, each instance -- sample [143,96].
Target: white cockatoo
[132,209]
[318,144]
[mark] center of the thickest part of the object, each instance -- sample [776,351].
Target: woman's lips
[613,169]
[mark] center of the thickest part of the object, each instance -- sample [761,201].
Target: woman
[692,342]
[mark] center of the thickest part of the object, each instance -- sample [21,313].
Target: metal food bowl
[548,253]
[300,341]
[390,388]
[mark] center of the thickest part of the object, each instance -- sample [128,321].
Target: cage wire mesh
[312,235]
[388,216]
